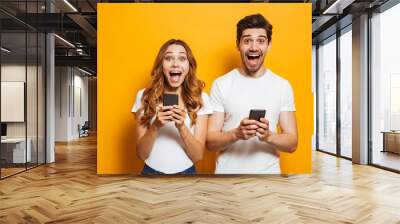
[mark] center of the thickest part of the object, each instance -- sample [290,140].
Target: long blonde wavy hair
[191,87]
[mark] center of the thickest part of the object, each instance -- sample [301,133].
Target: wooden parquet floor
[70,191]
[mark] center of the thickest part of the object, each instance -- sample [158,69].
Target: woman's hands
[178,116]
[163,115]
[166,114]
[194,142]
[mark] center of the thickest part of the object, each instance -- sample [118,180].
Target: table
[391,141]
[13,150]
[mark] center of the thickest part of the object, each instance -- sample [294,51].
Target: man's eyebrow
[257,36]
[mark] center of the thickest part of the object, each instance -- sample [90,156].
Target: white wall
[61,103]
[71,94]
[80,84]
[16,73]
[34,125]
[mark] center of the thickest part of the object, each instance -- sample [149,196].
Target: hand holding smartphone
[248,128]
[171,101]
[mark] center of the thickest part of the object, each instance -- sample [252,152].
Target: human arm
[194,143]
[219,140]
[145,136]
[286,141]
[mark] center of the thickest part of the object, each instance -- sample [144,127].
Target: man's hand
[247,129]
[263,131]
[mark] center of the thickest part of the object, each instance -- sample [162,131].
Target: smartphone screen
[170,99]
[256,114]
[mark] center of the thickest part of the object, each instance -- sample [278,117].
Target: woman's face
[175,65]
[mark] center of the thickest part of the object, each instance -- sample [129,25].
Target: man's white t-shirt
[168,154]
[235,95]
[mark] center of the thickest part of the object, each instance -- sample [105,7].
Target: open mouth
[253,59]
[175,75]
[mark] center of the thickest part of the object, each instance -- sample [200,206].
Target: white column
[50,99]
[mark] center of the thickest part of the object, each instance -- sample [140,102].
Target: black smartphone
[256,114]
[170,99]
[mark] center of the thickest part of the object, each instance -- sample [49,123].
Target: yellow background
[130,35]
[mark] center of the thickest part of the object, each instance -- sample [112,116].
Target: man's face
[175,65]
[253,47]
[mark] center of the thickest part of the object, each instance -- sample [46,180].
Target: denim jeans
[150,171]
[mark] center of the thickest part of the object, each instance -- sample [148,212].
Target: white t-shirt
[236,94]
[168,154]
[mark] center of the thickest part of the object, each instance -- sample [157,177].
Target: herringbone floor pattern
[69,191]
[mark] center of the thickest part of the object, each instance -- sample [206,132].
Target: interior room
[49,154]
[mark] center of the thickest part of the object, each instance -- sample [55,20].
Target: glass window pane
[14,153]
[327,96]
[385,89]
[32,95]
[346,94]
[22,64]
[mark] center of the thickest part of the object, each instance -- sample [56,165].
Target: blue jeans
[150,171]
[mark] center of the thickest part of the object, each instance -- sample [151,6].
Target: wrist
[267,138]
[234,134]
[154,126]
[180,127]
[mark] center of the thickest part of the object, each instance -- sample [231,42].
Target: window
[346,93]
[22,65]
[395,102]
[327,96]
[385,88]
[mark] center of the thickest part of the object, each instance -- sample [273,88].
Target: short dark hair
[253,21]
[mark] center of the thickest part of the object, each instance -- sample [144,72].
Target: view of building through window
[385,88]
[327,96]
[346,94]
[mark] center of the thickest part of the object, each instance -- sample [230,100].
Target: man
[245,145]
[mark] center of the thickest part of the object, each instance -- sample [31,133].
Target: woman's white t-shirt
[168,154]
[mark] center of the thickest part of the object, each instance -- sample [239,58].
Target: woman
[170,139]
